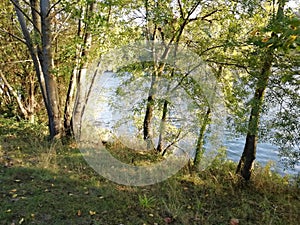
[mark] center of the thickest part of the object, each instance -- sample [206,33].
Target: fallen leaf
[234,221]
[79,213]
[21,221]
[92,212]
[14,195]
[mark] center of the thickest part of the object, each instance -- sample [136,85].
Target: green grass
[42,183]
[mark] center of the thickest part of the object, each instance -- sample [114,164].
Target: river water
[105,87]
[265,153]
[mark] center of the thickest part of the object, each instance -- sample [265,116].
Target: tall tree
[53,54]
[40,48]
[167,25]
[268,47]
[74,109]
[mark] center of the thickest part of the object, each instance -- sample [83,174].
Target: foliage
[232,37]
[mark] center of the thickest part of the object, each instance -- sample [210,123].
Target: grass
[42,183]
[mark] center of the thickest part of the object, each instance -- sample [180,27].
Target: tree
[73,110]
[168,26]
[269,49]
[49,24]
[40,47]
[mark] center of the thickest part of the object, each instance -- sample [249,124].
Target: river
[106,118]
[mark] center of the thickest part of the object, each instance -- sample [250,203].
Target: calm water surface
[266,152]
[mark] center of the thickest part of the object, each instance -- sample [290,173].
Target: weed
[146,202]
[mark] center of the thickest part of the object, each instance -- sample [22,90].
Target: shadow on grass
[38,196]
[42,183]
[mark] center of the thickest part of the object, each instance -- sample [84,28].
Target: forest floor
[43,183]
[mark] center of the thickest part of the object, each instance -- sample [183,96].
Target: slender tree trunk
[163,121]
[54,115]
[199,147]
[149,112]
[71,93]
[33,52]
[42,59]
[82,92]
[162,126]
[22,108]
[70,101]
[249,154]
[31,103]
[159,67]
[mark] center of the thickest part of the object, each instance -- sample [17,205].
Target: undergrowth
[51,183]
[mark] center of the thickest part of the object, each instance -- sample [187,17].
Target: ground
[50,183]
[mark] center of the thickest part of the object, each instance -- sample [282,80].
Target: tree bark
[199,147]
[249,153]
[71,93]
[162,126]
[82,92]
[149,112]
[53,109]
[246,162]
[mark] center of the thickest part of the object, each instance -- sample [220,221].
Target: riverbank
[42,183]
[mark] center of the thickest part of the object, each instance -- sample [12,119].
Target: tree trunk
[83,92]
[164,114]
[52,106]
[71,93]
[162,126]
[159,67]
[199,147]
[70,101]
[22,108]
[247,159]
[42,59]
[149,112]
[31,103]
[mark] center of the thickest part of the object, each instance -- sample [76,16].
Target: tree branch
[32,8]
[16,4]
[15,94]
[12,35]
[204,17]
[61,27]
[229,64]
[192,10]
[180,8]
[210,48]
[15,62]
[52,7]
